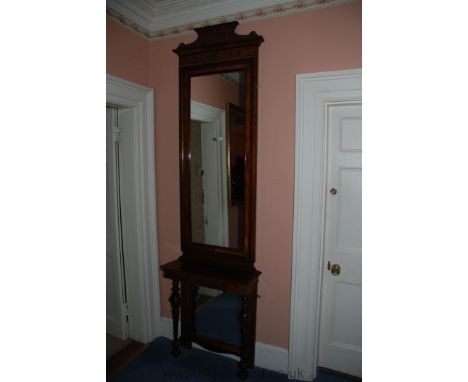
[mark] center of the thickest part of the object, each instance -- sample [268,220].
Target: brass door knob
[335,269]
[333,191]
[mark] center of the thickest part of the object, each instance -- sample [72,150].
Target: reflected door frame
[213,154]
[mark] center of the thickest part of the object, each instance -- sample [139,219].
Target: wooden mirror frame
[218,49]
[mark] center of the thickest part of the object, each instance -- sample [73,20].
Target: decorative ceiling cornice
[232,77]
[281,9]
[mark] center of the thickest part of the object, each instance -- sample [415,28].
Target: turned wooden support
[195,289]
[185,287]
[174,299]
[242,373]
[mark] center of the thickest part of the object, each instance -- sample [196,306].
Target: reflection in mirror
[217,158]
[217,315]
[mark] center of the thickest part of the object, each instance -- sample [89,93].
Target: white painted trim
[321,90]
[206,113]
[145,313]
[267,356]
[181,13]
[179,17]
[116,324]
[209,291]
[271,357]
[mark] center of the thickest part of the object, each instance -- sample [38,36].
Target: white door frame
[116,323]
[210,114]
[142,273]
[319,90]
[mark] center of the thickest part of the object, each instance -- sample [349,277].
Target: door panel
[340,339]
[349,210]
[345,297]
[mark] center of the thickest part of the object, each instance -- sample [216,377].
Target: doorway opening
[208,173]
[117,323]
[132,279]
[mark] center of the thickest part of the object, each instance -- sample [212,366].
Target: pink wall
[128,54]
[214,91]
[325,40]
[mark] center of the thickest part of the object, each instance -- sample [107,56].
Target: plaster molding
[177,25]
[233,77]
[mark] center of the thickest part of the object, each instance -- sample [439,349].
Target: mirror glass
[217,158]
[217,315]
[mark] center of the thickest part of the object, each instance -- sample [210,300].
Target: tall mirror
[218,148]
[217,297]
[217,158]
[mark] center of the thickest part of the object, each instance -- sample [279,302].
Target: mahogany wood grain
[218,49]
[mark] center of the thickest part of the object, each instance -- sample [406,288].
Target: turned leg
[187,314]
[250,339]
[175,305]
[242,373]
[195,289]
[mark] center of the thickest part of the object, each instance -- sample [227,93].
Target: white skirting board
[267,356]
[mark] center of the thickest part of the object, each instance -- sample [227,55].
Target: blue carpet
[156,364]
[324,377]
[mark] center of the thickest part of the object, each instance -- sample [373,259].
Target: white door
[213,145]
[340,338]
[116,323]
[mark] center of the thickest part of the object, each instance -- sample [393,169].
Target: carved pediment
[218,36]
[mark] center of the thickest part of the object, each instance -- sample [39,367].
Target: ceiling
[165,18]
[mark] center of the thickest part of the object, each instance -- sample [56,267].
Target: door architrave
[142,274]
[315,92]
